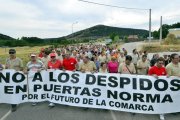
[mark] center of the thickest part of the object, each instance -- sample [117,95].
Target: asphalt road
[130,46]
[61,112]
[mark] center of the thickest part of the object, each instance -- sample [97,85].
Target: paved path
[60,112]
[130,46]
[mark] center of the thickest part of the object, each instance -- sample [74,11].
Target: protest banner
[122,92]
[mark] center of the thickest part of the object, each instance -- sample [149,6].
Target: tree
[165,31]
[116,38]
[156,34]
[126,39]
[112,36]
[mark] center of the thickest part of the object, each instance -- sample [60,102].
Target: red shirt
[56,65]
[40,54]
[157,71]
[69,64]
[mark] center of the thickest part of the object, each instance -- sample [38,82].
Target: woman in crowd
[103,68]
[113,65]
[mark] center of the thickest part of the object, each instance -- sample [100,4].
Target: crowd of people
[96,58]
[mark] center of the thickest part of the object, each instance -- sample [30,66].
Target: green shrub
[170,39]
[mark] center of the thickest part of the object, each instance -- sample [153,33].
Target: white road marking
[113,115]
[6,115]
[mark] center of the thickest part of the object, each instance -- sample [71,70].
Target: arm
[120,68]
[168,70]
[21,65]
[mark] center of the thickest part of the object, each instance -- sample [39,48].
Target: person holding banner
[142,65]
[158,70]
[87,65]
[34,65]
[127,67]
[45,58]
[69,63]
[173,68]
[103,68]
[54,63]
[1,67]
[15,63]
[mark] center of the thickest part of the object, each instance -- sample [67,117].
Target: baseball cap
[33,55]
[52,55]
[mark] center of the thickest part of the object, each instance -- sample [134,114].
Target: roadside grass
[21,52]
[157,47]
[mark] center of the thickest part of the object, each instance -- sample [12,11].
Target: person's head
[67,55]
[144,58]
[103,65]
[123,49]
[12,53]
[45,53]
[33,57]
[165,56]
[128,59]
[145,53]
[175,58]
[85,59]
[42,50]
[121,54]
[58,52]
[134,51]
[53,56]
[140,52]
[53,51]
[113,58]
[160,62]
[74,52]
[156,56]
[102,53]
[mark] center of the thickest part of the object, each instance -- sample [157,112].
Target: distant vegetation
[156,47]
[87,35]
[5,37]
[171,40]
[165,29]
[100,31]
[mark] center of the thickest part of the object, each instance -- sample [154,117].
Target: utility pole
[160,36]
[149,25]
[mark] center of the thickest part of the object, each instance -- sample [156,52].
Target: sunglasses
[53,57]
[11,52]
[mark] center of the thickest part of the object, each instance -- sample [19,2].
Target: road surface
[133,45]
[61,112]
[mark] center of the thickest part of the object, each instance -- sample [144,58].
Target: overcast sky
[54,18]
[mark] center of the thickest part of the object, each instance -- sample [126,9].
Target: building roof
[174,29]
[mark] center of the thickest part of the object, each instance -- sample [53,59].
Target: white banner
[130,93]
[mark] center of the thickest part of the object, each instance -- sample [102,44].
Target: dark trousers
[13,105]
